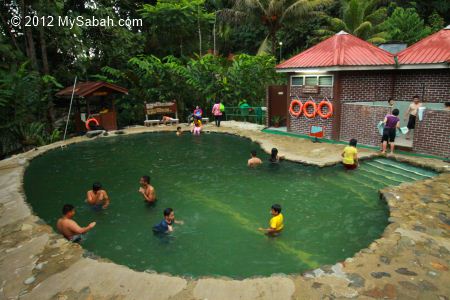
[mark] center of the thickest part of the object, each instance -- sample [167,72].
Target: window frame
[313,75]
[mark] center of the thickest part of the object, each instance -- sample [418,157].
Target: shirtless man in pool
[97,197]
[68,227]
[147,190]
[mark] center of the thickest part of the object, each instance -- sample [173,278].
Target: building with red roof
[342,51]
[358,78]
[432,51]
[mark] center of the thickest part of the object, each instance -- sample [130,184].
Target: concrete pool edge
[38,263]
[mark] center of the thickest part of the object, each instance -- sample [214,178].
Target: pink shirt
[216,110]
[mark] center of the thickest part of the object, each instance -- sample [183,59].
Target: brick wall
[324,91]
[411,82]
[365,86]
[432,134]
[400,84]
[302,124]
[360,121]
[360,86]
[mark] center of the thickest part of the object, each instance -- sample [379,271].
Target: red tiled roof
[431,50]
[342,49]
[84,89]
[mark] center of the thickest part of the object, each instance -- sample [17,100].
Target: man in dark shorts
[391,123]
[411,115]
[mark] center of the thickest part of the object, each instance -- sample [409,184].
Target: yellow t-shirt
[349,154]
[277,222]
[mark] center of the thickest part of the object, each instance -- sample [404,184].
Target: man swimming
[147,190]
[68,227]
[276,222]
[97,197]
[254,161]
[166,225]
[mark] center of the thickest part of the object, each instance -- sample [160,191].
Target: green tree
[275,15]
[436,22]
[405,25]
[177,26]
[360,18]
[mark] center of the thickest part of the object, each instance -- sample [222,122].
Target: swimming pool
[329,214]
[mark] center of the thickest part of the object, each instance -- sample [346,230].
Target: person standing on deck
[68,227]
[411,115]
[147,191]
[391,123]
[97,197]
[217,112]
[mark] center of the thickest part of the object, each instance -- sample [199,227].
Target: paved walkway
[410,260]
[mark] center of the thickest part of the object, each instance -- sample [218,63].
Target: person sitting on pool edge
[179,132]
[276,222]
[68,227]
[97,197]
[350,156]
[254,161]
[147,191]
[166,225]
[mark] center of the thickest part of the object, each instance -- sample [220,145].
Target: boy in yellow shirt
[350,156]
[276,222]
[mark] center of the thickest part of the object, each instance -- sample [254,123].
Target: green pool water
[329,214]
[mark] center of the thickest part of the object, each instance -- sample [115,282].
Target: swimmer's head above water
[275,209]
[97,186]
[144,180]
[68,211]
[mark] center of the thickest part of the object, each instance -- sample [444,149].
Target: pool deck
[409,261]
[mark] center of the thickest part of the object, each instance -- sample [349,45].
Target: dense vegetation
[190,50]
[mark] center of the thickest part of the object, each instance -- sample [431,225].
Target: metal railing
[248,114]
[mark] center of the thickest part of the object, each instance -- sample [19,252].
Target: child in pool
[97,197]
[197,126]
[276,223]
[179,132]
[166,225]
[350,156]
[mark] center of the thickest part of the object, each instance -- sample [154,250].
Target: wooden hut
[93,100]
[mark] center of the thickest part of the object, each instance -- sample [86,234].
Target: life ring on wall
[292,110]
[88,121]
[329,106]
[305,109]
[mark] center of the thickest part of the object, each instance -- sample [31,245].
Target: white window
[297,80]
[320,80]
[326,80]
[311,80]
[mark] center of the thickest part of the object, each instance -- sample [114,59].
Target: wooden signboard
[310,89]
[159,108]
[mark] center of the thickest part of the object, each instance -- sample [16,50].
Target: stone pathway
[410,261]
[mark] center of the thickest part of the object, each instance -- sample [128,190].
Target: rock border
[410,260]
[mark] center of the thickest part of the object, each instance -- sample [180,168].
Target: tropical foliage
[405,25]
[361,18]
[193,51]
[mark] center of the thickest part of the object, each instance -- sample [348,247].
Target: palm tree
[360,18]
[275,14]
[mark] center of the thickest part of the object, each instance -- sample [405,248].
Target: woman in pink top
[217,113]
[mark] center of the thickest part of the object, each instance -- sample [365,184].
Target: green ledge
[302,136]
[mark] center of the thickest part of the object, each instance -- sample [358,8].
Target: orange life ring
[291,108]
[305,109]
[88,121]
[330,109]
